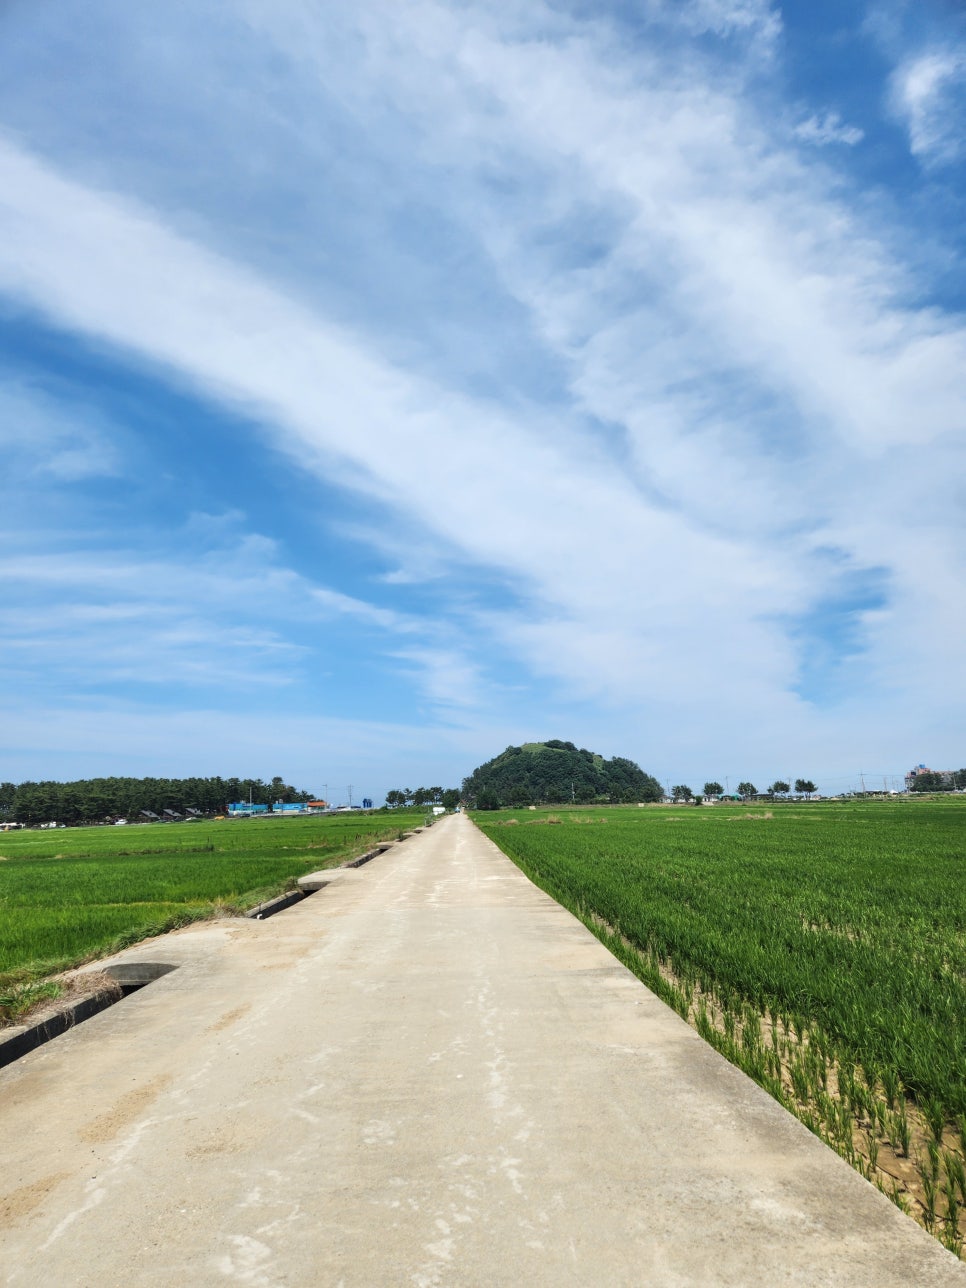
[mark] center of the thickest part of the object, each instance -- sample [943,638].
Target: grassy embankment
[821,947]
[74,894]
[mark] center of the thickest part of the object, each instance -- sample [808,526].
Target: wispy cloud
[231,619]
[40,437]
[829,128]
[929,94]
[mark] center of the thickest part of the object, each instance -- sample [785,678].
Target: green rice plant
[891,1085]
[952,1209]
[903,1134]
[775,1088]
[955,1172]
[953,1242]
[872,1147]
[800,1080]
[899,1198]
[813,1123]
[932,1111]
[702,1022]
[846,1085]
[929,1190]
[881,1118]
[826,1107]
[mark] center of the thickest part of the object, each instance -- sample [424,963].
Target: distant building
[241,809]
[945,776]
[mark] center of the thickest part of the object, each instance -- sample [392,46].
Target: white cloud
[757,20]
[929,95]
[827,129]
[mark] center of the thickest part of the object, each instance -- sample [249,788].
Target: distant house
[316,807]
[171,813]
[941,777]
[146,813]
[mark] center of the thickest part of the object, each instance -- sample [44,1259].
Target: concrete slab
[329,876]
[431,1075]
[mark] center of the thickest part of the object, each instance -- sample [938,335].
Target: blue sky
[381,385]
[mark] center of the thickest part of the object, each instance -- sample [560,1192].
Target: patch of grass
[17,1000]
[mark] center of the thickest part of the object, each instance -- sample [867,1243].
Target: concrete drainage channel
[128,977]
[131,976]
[312,882]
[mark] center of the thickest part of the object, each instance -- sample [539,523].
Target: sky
[385,384]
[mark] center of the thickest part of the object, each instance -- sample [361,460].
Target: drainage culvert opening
[131,976]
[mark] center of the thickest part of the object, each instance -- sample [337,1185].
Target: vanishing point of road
[426,1074]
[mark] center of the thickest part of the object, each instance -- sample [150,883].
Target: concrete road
[429,1074]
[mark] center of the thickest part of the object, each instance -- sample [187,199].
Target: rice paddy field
[819,946]
[72,894]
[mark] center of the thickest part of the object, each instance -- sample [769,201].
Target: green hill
[554,772]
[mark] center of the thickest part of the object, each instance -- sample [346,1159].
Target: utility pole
[349,790]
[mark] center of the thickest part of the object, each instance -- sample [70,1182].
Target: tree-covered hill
[556,772]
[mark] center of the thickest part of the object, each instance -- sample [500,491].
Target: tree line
[804,786]
[399,797]
[96,800]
